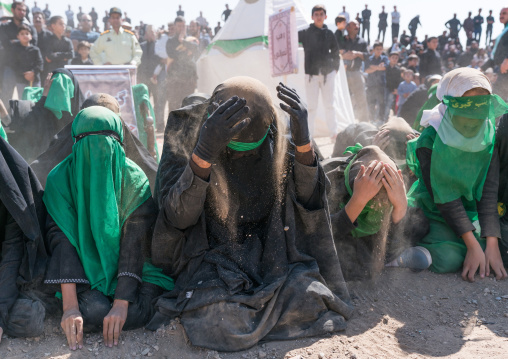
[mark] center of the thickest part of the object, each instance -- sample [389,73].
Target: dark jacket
[339,36]
[392,78]
[383,22]
[79,61]
[149,62]
[58,52]
[502,50]
[358,44]
[184,64]
[321,50]
[27,58]
[430,63]
[8,36]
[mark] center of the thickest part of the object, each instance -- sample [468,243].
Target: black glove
[298,113]
[221,127]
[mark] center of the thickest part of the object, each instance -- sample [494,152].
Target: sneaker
[415,258]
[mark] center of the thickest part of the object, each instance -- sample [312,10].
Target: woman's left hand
[493,259]
[114,322]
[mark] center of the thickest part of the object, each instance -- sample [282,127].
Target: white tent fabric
[248,20]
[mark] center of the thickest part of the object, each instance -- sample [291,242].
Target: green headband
[247,146]
[476,107]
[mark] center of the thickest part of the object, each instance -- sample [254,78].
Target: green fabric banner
[234,46]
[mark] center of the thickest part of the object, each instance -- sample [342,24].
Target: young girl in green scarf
[458,174]
[99,230]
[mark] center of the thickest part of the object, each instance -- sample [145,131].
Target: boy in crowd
[405,88]
[58,48]
[322,61]
[340,22]
[27,61]
[375,66]
[392,82]
[83,57]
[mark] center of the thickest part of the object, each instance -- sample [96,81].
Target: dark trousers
[477,34]
[366,27]
[395,31]
[94,306]
[382,30]
[488,35]
[376,103]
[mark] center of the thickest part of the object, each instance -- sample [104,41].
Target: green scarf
[2,132]
[432,102]
[141,95]
[91,194]
[60,94]
[470,156]
[370,219]
[33,94]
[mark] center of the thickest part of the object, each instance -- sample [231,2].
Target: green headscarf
[60,94]
[470,156]
[371,218]
[2,132]
[33,94]
[92,193]
[141,95]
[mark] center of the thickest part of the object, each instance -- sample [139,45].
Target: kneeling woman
[458,175]
[99,228]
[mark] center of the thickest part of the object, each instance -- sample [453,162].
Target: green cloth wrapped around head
[91,194]
[142,96]
[60,94]
[33,94]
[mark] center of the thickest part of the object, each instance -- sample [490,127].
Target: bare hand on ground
[493,259]
[475,259]
[114,322]
[72,324]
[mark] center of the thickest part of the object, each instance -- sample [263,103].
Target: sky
[433,13]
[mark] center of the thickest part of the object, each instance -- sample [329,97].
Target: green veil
[33,94]
[141,95]
[91,194]
[60,94]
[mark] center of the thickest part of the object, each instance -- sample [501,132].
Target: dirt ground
[401,314]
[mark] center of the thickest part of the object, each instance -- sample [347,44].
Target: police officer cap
[115,10]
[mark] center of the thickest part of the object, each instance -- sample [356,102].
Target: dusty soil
[401,314]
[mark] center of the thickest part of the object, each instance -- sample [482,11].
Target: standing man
[8,37]
[149,61]
[118,46]
[376,66]
[70,17]
[105,21]
[454,26]
[490,24]
[322,61]
[413,26]
[226,13]
[47,12]
[345,14]
[126,18]
[366,14]
[355,52]
[392,83]
[478,22]
[182,75]
[42,33]
[500,56]
[430,60]
[395,23]
[79,14]
[201,20]
[84,33]
[36,8]
[94,17]
[180,12]
[217,29]
[468,26]
[382,25]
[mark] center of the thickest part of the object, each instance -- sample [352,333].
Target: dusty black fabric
[24,255]
[364,257]
[502,149]
[244,274]
[34,125]
[409,109]
[61,147]
[362,133]
[321,50]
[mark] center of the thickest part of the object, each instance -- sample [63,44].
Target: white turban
[455,83]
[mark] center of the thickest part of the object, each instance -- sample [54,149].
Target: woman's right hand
[72,324]
[368,182]
[475,258]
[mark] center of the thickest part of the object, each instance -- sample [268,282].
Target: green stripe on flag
[235,46]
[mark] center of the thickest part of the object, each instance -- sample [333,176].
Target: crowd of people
[241,225]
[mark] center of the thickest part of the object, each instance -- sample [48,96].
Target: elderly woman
[458,176]
[243,223]
[101,215]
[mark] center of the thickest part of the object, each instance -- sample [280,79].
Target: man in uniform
[117,46]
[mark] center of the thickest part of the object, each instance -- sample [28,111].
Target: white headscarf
[455,83]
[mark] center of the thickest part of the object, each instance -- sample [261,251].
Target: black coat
[321,50]
[22,216]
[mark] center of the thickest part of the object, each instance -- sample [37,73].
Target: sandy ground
[401,314]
